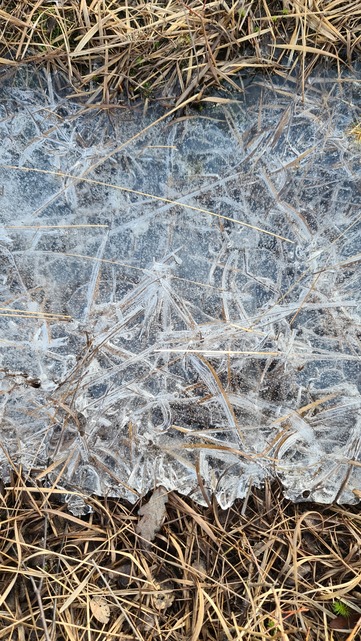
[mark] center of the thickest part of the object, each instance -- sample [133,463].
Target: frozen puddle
[147,342]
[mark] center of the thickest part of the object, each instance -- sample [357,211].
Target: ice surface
[145,341]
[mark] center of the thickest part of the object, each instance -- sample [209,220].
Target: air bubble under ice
[181,301]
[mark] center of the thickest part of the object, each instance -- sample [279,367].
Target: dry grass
[174,49]
[264,569]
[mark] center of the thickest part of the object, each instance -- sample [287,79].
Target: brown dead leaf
[344,624]
[100,609]
[152,514]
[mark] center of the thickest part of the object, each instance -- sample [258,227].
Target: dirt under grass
[264,569]
[174,50]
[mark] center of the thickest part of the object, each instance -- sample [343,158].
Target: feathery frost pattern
[209,333]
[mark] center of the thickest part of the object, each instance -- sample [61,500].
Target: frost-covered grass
[175,49]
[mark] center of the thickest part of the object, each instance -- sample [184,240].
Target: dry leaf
[164,596]
[100,609]
[199,565]
[345,624]
[152,514]
[147,622]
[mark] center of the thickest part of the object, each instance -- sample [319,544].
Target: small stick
[42,613]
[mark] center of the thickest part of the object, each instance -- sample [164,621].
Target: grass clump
[178,48]
[264,569]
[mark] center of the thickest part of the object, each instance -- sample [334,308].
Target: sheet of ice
[145,341]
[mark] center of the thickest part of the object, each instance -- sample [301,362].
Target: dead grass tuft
[174,49]
[264,569]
